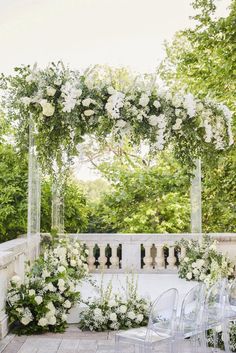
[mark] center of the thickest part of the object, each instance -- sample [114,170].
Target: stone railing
[133,252]
[143,252]
[13,255]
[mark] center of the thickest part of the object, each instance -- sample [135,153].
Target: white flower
[89,112]
[156,104]
[123,309]
[61,269]
[51,91]
[113,317]
[139,318]
[16,280]
[131,315]
[144,100]
[86,102]
[51,307]
[64,317]
[45,274]
[195,271]
[50,287]
[75,251]
[190,105]
[86,251]
[48,108]
[200,263]
[121,123]
[189,275]
[153,120]
[186,259]
[43,322]
[31,292]
[79,262]
[194,264]
[111,90]
[112,303]
[38,299]
[202,276]
[73,263]
[67,304]
[97,312]
[26,319]
[26,100]
[52,320]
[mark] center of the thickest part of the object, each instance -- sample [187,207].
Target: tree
[203,60]
[143,199]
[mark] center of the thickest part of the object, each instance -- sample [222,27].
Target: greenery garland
[66,105]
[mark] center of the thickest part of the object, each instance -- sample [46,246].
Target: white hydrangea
[189,275]
[16,280]
[131,315]
[48,108]
[89,112]
[139,318]
[144,100]
[113,317]
[51,91]
[61,269]
[123,309]
[67,304]
[31,292]
[114,103]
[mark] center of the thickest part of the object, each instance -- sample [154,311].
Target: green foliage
[13,193]
[203,60]
[151,199]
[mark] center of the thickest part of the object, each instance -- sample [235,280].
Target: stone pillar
[34,187]
[196,200]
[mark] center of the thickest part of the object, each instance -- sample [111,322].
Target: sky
[86,32]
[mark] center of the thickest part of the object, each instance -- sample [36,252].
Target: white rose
[189,275]
[38,299]
[31,292]
[157,104]
[64,317]
[75,251]
[113,317]
[61,269]
[26,319]
[131,315]
[86,102]
[202,277]
[50,287]
[43,322]
[144,100]
[52,320]
[79,262]
[97,312]
[26,100]
[121,123]
[73,263]
[123,309]
[16,280]
[153,120]
[139,318]
[51,91]
[67,304]
[89,112]
[195,272]
[51,307]
[48,108]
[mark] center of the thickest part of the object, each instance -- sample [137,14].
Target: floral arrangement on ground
[42,301]
[202,261]
[114,311]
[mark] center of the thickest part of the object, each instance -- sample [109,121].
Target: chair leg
[225,333]
[117,344]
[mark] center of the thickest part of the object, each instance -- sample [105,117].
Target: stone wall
[13,255]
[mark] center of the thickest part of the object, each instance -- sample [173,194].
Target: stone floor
[72,341]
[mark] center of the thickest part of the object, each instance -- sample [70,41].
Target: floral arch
[54,108]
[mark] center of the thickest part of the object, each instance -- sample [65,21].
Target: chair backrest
[192,310]
[215,303]
[232,295]
[162,317]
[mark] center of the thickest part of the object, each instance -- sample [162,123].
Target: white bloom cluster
[71,94]
[203,262]
[114,103]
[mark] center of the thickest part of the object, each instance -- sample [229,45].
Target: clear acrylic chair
[191,320]
[216,306]
[161,326]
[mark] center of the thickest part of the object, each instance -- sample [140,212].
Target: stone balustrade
[133,252]
[13,255]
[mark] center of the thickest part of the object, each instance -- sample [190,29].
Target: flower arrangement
[64,105]
[203,262]
[115,311]
[42,301]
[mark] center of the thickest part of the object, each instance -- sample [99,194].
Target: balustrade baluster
[171,258]
[114,258]
[102,258]
[147,258]
[182,253]
[91,258]
[159,260]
